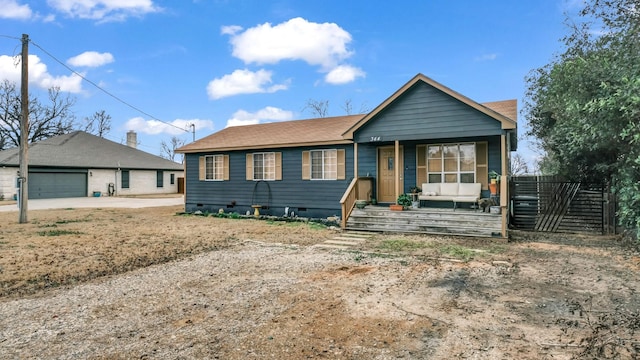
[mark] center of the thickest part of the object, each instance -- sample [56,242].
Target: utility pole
[193,131]
[24,132]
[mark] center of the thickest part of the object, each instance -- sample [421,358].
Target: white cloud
[243,82]
[10,69]
[297,39]
[104,10]
[267,114]
[155,127]
[343,74]
[11,9]
[49,18]
[486,57]
[230,30]
[91,59]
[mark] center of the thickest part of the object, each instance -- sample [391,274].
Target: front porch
[464,222]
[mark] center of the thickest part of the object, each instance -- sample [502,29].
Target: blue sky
[216,63]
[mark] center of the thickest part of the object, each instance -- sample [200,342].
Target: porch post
[503,183]
[397,167]
[355,160]
[503,154]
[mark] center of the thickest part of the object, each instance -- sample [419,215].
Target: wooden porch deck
[464,222]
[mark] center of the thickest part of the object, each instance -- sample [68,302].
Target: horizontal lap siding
[409,178]
[323,195]
[495,163]
[321,198]
[367,160]
[424,112]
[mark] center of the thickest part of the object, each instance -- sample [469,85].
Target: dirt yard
[151,284]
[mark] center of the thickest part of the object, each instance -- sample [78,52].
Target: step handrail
[360,188]
[348,201]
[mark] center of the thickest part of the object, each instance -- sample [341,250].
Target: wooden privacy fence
[550,204]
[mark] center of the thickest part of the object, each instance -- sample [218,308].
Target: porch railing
[359,189]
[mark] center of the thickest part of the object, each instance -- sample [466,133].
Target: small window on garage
[172,179]
[124,179]
[159,178]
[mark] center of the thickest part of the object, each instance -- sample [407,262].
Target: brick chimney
[132,139]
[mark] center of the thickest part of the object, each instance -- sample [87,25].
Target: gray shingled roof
[82,150]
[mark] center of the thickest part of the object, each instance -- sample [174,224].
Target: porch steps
[426,220]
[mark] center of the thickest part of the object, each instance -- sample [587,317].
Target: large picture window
[324,164]
[451,163]
[264,166]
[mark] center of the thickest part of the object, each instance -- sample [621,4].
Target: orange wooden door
[387,174]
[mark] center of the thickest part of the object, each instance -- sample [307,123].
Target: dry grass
[393,296]
[64,247]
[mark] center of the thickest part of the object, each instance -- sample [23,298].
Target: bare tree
[98,124]
[45,121]
[348,107]
[318,108]
[518,165]
[168,150]
[364,108]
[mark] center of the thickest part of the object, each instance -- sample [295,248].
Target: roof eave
[266,146]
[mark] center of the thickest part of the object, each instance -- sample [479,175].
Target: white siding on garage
[100,179]
[8,177]
[142,182]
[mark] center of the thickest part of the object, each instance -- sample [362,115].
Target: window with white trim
[264,166]
[214,167]
[451,163]
[324,164]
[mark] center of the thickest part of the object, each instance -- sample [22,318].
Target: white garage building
[79,164]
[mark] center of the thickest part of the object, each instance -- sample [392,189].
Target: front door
[387,174]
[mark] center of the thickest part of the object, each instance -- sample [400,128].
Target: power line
[103,90]
[10,37]
[15,52]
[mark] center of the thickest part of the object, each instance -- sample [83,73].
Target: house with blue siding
[423,133]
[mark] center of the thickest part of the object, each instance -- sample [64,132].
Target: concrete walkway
[346,240]
[97,202]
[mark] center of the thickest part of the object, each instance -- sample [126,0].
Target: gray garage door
[49,185]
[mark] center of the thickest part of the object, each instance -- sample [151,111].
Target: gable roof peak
[507,123]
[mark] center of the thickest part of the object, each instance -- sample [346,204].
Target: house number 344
[375,138]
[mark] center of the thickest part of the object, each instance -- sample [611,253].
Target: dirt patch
[146,283]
